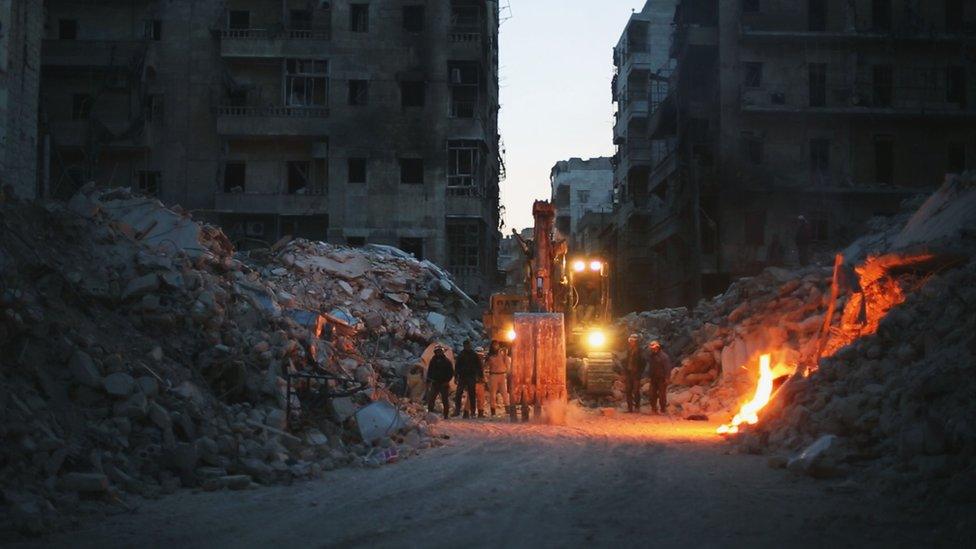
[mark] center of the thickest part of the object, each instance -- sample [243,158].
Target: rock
[437,321]
[817,459]
[235,482]
[133,407]
[159,416]
[119,384]
[315,437]
[276,418]
[140,286]
[84,482]
[343,408]
[83,370]
[148,385]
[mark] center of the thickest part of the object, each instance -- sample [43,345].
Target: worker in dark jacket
[469,373]
[659,370]
[634,364]
[440,372]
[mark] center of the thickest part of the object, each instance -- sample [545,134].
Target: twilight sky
[556,64]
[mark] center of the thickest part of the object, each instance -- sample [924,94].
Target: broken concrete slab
[119,384]
[140,286]
[377,420]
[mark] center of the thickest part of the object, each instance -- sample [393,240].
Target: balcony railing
[265,34]
[861,98]
[284,112]
[464,37]
[473,191]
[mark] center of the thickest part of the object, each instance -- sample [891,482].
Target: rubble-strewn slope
[140,354]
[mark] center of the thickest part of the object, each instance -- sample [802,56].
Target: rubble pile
[142,354]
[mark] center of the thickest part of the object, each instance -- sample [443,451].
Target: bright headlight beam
[596,265]
[596,338]
[579,265]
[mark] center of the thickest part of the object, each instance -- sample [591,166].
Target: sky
[555,69]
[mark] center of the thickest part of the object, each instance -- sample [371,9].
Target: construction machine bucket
[539,365]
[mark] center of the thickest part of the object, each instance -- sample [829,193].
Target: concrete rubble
[143,354]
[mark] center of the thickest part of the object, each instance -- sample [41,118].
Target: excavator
[563,312]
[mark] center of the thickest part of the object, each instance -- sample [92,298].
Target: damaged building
[578,187]
[833,110]
[20,50]
[347,122]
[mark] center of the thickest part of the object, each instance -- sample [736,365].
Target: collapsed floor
[142,354]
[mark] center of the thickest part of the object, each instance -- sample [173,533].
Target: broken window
[356,241]
[819,156]
[883,85]
[463,244]
[954,15]
[152,29]
[67,29]
[299,177]
[300,19]
[465,14]
[412,171]
[752,148]
[755,227]
[884,160]
[306,82]
[413,19]
[234,177]
[412,93]
[956,86]
[413,246]
[956,158]
[818,84]
[753,74]
[750,6]
[881,15]
[359,17]
[817,15]
[464,82]
[239,19]
[81,104]
[464,165]
[357,170]
[148,182]
[358,92]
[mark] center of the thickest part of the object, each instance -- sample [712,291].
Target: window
[357,170]
[954,15]
[583,197]
[465,15]
[464,165]
[752,148]
[463,244]
[148,182]
[883,85]
[299,177]
[464,82]
[881,15]
[819,156]
[356,241]
[412,93]
[300,19]
[412,171]
[413,246]
[358,92]
[956,86]
[154,107]
[306,83]
[152,29]
[755,228]
[81,104]
[956,158]
[67,29]
[239,19]
[359,17]
[234,177]
[884,160]
[413,19]
[818,84]
[753,74]
[817,15]
[750,6]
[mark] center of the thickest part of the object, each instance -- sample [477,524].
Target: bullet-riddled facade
[20,48]
[351,122]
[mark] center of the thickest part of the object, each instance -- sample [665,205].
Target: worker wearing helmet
[634,364]
[439,375]
[659,368]
[469,373]
[498,369]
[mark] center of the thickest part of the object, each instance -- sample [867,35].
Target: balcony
[262,43]
[91,53]
[465,43]
[786,27]
[262,203]
[271,121]
[859,100]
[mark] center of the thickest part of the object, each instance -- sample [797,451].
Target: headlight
[510,334]
[579,265]
[596,265]
[596,338]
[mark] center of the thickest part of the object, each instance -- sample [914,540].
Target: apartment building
[20,50]
[832,109]
[350,122]
[577,187]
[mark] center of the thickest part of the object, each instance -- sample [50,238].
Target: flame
[749,411]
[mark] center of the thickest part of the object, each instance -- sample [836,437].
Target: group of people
[650,362]
[482,376]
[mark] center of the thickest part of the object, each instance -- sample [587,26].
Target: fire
[749,411]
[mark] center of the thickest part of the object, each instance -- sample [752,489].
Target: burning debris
[143,354]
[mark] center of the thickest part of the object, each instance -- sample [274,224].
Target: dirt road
[600,482]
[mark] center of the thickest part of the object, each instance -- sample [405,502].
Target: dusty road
[600,482]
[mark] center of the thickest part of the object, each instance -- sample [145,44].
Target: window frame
[295,71]
[411,165]
[365,170]
[360,24]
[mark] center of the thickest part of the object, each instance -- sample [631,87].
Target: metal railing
[275,111]
[265,34]
[460,37]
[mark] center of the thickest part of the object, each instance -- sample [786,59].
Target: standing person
[497,376]
[440,372]
[659,370]
[468,372]
[481,389]
[804,236]
[634,365]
